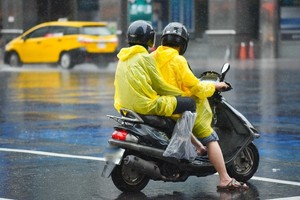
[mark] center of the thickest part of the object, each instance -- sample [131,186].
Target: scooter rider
[139,86]
[176,71]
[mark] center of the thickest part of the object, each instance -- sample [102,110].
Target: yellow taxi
[64,42]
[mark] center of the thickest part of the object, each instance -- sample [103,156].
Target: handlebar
[226,89]
[212,76]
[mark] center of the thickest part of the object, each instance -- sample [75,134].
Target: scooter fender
[112,158]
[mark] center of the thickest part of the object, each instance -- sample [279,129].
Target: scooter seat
[162,123]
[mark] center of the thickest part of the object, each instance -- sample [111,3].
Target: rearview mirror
[224,70]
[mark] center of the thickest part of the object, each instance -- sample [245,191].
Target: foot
[233,185]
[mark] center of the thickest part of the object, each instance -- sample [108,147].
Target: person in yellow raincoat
[139,86]
[176,71]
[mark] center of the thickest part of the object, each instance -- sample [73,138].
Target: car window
[54,31]
[71,31]
[41,32]
[95,30]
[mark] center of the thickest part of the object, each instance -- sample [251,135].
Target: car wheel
[102,61]
[14,60]
[66,61]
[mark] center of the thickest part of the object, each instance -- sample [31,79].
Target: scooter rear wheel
[128,180]
[244,166]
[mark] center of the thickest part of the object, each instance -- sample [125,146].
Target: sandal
[233,185]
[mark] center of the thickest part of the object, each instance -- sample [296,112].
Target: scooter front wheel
[127,179]
[244,166]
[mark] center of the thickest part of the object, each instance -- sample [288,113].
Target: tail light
[119,135]
[123,135]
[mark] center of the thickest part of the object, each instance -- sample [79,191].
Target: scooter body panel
[234,130]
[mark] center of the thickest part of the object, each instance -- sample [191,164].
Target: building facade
[273,26]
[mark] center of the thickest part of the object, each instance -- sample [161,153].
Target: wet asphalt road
[54,131]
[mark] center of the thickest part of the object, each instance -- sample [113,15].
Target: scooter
[140,141]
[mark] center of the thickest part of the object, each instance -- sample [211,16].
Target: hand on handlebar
[222,86]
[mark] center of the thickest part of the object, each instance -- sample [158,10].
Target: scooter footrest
[201,160]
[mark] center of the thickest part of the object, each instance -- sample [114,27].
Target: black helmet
[175,35]
[141,32]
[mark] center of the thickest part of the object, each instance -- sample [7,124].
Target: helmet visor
[152,38]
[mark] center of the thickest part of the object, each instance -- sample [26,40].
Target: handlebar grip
[225,89]
[228,88]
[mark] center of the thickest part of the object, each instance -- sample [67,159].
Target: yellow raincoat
[175,70]
[139,86]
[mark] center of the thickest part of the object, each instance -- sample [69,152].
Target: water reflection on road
[55,106]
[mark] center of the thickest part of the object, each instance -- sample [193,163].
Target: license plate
[101,45]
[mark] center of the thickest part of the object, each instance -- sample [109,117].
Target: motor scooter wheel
[244,166]
[127,179]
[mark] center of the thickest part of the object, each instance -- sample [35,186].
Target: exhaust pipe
[143,166]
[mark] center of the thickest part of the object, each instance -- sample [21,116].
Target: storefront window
[290,20]
[289,2]
[160,17]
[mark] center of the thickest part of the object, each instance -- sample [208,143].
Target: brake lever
[228,88]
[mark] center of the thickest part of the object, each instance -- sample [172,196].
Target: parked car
[64,42]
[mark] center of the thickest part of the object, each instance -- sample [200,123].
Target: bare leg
[216,158]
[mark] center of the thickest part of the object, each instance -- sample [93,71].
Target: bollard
[251,54]
[243,51]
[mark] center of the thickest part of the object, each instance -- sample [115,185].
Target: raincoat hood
[129,52]
[164,54]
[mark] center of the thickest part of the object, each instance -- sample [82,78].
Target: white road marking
[275,181]
[5,199]
[44,153]
[287,198]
